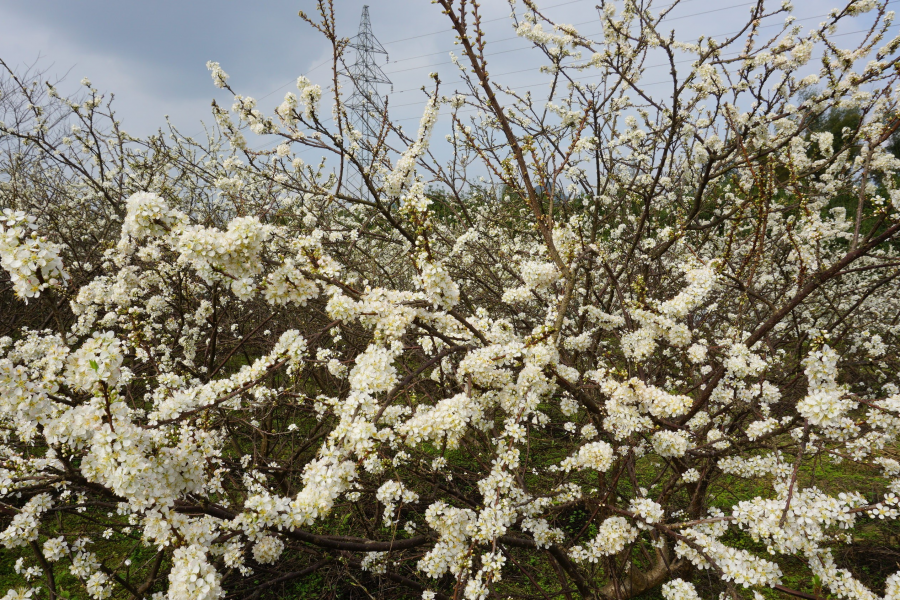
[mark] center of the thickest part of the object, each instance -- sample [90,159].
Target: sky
[152,54]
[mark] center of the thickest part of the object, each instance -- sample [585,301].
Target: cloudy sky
[152,53]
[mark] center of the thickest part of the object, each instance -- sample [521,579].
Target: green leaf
[94,364]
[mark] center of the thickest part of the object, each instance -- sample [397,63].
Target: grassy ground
[873,554]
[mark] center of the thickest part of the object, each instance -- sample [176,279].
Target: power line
[518,49]
[531,47]
[585,35]
[497,41]
[415,37]
[516,37]
[644,68]
[469,111]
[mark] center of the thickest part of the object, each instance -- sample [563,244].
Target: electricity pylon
[365,106]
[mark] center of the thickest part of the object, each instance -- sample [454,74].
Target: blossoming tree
[622,363]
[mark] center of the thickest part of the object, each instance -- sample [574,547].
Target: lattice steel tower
[366,107]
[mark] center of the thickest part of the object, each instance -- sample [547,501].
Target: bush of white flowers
[619,342]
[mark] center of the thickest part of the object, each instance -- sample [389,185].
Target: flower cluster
[390,494]
[824,404]
[148,215]
[24,526]
[192,576]
[32,262]
[613,535]
[679,589]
